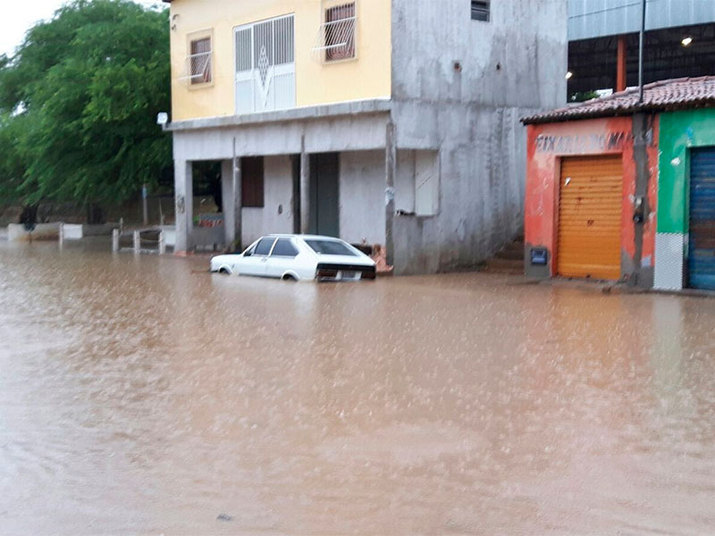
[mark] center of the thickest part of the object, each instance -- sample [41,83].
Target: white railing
[336,40]
[198,68]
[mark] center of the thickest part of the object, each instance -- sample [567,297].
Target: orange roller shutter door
[590,208]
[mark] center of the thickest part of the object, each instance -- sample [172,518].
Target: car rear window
[330,247]
[284,248]
[264,246]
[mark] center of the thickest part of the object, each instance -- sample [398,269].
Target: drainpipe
[640,53]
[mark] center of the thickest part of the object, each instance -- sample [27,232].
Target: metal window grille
[199,61]
[265,65]
[480,10]
[336,37]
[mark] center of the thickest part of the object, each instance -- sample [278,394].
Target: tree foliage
[78,103]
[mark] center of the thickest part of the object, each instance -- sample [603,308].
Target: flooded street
[142,395]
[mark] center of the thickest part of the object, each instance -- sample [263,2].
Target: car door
[282,258]
[254,261]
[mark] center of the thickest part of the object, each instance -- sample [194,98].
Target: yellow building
[378,121]
[231,56]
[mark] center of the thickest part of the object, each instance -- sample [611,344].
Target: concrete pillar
[162,243]
[115,240]
[621,64]
[61,233]
[137,241]
[183,192]
[390,164]
[237,198]
[229,207]
[304,188]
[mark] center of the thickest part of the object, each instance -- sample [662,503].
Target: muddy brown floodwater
[141,396]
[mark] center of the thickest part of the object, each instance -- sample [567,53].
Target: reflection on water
[139,394]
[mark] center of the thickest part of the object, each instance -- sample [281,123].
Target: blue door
[701,250]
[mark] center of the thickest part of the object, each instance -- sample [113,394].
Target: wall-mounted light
[686,41]
[162,118]
[568,76]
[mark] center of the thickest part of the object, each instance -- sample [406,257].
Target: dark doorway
[324,194]
[295,202]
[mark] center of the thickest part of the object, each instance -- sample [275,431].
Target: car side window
[249,251]
[264,246]
[284,248]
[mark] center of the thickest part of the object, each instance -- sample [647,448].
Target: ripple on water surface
[143,395]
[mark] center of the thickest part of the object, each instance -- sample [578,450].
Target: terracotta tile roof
[675,94]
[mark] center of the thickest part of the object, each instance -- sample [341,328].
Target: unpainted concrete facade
[459,87]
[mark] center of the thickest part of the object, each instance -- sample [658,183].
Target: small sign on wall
[539,256]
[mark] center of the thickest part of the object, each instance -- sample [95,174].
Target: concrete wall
[517,58]
[460,87]
[362,197]
[276,216]
[547,144]
[42,231]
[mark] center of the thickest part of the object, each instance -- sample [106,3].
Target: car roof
[303,236]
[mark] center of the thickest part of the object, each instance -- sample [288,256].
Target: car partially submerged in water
[298,257]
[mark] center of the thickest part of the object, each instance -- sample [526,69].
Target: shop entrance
[701,237]
[589,226]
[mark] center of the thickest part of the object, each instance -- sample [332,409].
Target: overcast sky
[16,21]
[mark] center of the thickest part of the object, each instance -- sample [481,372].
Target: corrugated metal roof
[599,18]
[676,94]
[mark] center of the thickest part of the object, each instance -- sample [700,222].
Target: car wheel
[289,277]
[224,271]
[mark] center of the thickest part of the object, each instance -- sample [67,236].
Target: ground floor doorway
[589,226]
[324,216]
[701,236]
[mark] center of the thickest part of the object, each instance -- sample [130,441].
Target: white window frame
[190,77]
[261,94]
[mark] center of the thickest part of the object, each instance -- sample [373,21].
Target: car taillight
[326,272]
[369,274]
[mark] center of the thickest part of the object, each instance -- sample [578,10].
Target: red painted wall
[548,143]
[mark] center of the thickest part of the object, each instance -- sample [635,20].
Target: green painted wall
[679,131]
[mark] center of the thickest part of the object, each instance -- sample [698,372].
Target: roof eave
[651,108]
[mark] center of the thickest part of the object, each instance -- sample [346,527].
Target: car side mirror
[247,253]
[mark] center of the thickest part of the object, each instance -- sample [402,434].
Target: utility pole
[640,53]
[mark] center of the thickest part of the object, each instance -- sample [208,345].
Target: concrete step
[512,251]
[505,266]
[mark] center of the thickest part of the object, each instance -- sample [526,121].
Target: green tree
[78,103]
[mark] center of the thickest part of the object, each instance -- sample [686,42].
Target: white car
[298,257]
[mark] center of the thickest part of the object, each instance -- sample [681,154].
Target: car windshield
[330,247]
